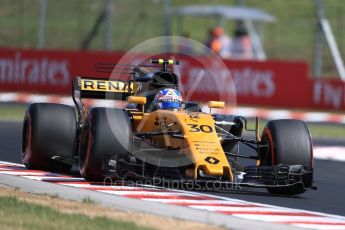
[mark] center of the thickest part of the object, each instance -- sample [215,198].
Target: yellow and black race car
[160,136]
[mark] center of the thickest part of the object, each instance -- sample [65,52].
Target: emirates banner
[283,84]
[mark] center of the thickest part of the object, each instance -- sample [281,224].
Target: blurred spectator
[241,46]
[218,42]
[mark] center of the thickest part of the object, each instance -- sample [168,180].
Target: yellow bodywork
[200,143]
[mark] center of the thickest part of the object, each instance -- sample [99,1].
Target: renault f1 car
[144,142]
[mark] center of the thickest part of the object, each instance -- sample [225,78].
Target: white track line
[336,153]
[147,193]
[187,202]
[52,179]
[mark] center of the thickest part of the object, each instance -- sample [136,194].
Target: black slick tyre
[48,137]
[289,143]
[105,134]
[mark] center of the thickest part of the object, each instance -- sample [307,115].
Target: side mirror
[137,100]
[216,105]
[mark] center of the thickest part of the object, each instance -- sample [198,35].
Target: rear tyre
[105,134]
[49,131]
[289,143]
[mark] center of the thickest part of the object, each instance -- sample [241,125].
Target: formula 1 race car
[158,135]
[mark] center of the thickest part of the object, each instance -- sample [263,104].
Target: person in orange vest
[219,42]
[241,45]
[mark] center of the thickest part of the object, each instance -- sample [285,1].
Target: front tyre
[289,143]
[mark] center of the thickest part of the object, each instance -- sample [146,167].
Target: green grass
[51,195]
[317,130]
[16,214]
[333,131]
[88,200]
[12,112]
[69,22]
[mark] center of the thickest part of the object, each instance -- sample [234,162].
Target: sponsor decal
[34,71]
[328,94]
[253,82]
[103,85]
[248,81]
[212,160]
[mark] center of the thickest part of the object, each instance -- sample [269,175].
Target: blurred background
[297,63]
[285,60]
[293,69]
[85,24]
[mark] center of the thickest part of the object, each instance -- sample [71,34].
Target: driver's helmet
[170,99]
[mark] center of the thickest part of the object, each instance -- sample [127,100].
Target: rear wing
[98,88]
[112,89]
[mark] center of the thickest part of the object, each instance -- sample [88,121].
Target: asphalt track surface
[329,178]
